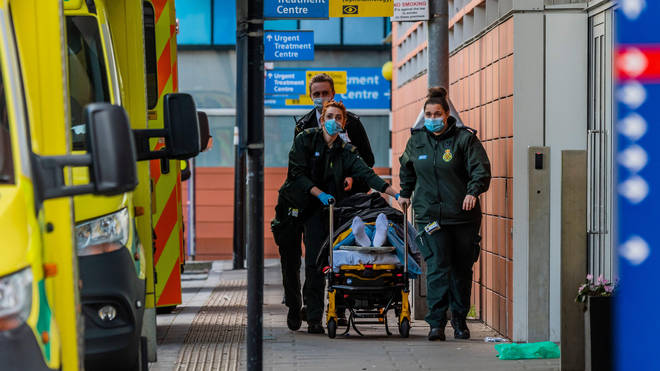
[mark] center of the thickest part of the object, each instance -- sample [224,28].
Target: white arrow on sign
[633,8]
[270,75]
[634,158]
[632,94]
[269,37]
[633,126]
[635,250]
[635,189]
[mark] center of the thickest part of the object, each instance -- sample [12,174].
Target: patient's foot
[358,231]
[381,230]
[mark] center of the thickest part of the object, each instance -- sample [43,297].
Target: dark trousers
[315,233]
[287,230]
[449,254]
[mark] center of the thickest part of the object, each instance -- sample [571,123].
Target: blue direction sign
[296,9]
[289,46]
[638,93]
[287,82]
[365,88]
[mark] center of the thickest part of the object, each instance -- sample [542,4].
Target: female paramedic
[319,161]
[447,168]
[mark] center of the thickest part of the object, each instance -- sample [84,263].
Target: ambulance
[108,61]
[40,317]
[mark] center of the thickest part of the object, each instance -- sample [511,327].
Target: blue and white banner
[296,9]
[638,93]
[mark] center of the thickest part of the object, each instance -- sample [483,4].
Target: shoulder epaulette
[470,130]
[415,130]
[351,115]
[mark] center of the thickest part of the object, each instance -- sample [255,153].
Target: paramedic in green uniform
[447,168]
[319,161]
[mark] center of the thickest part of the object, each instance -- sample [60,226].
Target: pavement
[207,332]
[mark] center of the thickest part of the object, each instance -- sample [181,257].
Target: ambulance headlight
[15,299]
[102,235]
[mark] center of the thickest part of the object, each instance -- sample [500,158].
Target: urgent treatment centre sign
[296,9]
[365,88]
[289,46]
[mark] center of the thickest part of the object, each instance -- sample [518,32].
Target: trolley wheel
[332,328]
[404,328]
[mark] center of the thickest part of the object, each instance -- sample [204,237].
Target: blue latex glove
[396,197]
[325,198]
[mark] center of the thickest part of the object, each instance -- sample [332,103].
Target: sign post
[638,93]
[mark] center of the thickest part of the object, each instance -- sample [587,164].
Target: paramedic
[319,161]
[447,168]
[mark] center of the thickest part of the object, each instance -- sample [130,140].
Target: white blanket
[343,257]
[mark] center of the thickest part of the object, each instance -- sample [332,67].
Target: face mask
[332,127]
[318,104]
[434,125]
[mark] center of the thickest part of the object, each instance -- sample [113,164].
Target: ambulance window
[150,54]
[88,78]
[6,160]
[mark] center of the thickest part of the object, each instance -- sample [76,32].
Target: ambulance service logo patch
[447,156]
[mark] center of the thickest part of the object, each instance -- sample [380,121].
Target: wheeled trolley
[368,291]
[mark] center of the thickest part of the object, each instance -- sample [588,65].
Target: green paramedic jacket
[442,170]
[313,163]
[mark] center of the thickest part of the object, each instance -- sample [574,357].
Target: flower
[602,287]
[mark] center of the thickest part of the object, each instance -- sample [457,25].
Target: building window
[194,22]
[363,31]
[326,32]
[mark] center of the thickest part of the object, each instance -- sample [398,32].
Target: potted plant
[597,297]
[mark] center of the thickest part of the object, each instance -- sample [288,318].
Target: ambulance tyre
[332,328]
[404,328]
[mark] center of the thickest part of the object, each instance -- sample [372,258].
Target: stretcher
[368,283]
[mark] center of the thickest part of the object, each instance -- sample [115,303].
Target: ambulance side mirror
[181,131]
[110,158]
[182,140]
[110,142]
[204,130]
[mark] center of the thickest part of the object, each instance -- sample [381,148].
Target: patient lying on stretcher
[371,243]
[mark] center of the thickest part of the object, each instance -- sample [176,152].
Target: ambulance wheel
[404,328]
[332,328]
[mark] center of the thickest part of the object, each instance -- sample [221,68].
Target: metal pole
[239,135]
[191,211]
[438,44]
[255,183]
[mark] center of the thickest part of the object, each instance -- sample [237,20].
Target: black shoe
[293,320]
[461,331]
[437,333]
[315,328]
[303,313]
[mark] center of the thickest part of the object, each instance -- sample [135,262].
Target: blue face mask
[434,125]
[332,127]
[318,104]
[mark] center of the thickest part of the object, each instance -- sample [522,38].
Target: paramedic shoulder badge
[447,156]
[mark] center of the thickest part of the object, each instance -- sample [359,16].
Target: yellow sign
[361,8]
[304,100]
[339,78]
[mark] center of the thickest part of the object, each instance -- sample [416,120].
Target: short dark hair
[321,77]
[437,95]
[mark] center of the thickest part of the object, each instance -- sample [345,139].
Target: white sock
[358,231]
[381,230]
